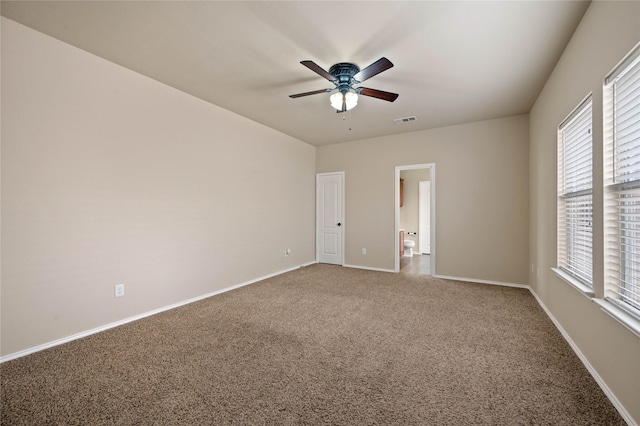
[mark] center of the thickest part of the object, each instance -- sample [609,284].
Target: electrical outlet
[119,290]
[364,251]
[287,252]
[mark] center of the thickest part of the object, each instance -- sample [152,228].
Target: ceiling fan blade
[375,68]
[380,94]
[318,70]
[315,92]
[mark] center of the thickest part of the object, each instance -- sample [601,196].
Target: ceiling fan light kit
[344,101]
[344,76]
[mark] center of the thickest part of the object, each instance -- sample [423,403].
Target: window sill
[618,314]
[630,322]
[582,288]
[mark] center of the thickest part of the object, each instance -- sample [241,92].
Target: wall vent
[404,120]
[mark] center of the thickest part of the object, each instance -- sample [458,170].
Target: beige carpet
[321,345]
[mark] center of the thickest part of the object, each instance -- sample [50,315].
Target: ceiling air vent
[404,120]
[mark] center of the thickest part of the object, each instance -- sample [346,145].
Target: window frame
[615,282]
[574,258]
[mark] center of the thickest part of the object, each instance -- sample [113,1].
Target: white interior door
[424,217]
[329,216]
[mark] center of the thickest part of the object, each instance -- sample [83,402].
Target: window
[575,204]
[622,184]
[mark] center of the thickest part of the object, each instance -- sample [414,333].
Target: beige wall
[481,179]
[110,177]
[409,217]
[607,32]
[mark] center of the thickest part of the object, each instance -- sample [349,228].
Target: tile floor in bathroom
[418,264]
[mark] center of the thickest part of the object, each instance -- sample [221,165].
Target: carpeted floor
[320,345]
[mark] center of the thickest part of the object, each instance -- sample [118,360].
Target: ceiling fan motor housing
[343,74]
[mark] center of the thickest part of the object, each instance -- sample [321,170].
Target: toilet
[408,248]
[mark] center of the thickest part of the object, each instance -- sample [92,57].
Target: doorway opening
[417,222]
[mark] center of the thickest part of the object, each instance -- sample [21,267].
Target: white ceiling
[455,62]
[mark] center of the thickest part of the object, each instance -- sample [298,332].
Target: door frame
[342,214]
[432,208]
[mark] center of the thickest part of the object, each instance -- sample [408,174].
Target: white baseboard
[86,333]
[369,268]
[616,403]
[472,280]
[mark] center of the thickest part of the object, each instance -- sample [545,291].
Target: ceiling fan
[344,76]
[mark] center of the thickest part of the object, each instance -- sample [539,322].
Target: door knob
[339,224]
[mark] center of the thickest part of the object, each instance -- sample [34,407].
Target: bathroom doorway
[415,221]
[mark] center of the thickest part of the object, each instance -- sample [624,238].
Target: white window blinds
[622,182]
[575,204]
